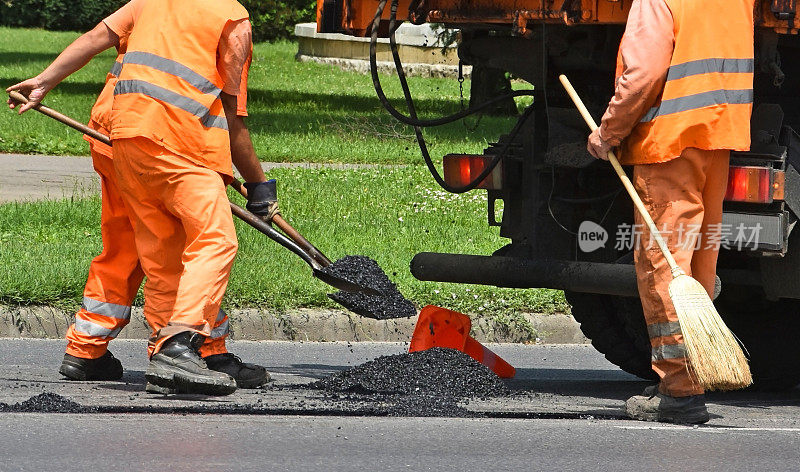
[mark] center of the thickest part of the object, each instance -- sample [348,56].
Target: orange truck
[567,222]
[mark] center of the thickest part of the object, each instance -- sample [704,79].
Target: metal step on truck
[568,222]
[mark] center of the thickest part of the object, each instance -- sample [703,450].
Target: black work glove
[262,199]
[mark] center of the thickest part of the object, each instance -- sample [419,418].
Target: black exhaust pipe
[512,272]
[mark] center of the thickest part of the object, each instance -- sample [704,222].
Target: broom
[712,349]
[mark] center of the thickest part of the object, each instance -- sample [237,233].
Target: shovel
[295,242]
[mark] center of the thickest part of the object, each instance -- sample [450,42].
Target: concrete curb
[385,67]
[303,325]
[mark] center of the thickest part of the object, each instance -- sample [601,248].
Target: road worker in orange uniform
[180,129]
[682,102]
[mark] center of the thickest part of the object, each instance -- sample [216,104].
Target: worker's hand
[262,199]
[34,88]
[597,146]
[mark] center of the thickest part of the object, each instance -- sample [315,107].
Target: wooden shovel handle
[289,230]
[637,201]
[18,97]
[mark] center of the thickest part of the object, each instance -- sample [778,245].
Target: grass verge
[388,214]
[293,106]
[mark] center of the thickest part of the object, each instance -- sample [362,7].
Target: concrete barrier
[419,47]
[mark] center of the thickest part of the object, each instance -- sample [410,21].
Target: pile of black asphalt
[45,403]
[366,272]
[426,383]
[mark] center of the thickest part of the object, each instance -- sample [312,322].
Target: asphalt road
[565,414]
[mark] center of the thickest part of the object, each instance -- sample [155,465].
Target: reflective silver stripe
[699,100]
[214,121]
[184,103]
[121,312]
[708,66]
[663,329]
[669,351]
[221,315]
[171,67]
[116,69]
[220,330]
[94,329]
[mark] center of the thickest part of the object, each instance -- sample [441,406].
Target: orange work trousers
[684,196]
[115,275]
[185,238]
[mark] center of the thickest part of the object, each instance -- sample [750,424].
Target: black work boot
[246,375]
[177,365]
[105,367]
[655,406]
[158,390]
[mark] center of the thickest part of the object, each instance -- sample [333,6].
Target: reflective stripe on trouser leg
[96,323]
[114,275]
[675,193]
[171,198]
[215,344]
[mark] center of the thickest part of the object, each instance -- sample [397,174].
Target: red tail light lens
[754,184]
[461,169]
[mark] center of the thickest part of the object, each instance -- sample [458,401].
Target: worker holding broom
[164,191]
[682,102]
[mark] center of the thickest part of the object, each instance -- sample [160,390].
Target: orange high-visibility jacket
[168,89]
[708,94]
[101,111]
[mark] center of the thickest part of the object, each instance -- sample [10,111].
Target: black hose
[412,118]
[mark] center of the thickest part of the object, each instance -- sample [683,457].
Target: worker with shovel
[165,192]
[682,102]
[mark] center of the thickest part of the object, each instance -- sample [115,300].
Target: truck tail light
[754,184]
[461,169]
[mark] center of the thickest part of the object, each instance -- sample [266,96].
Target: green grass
[293,106]
[387,214]
[299,112]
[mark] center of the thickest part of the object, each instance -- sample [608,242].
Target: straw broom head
[713,351]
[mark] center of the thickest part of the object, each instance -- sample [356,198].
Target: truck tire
[616,328]
[769,330]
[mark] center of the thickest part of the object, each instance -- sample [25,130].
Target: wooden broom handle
[637,201]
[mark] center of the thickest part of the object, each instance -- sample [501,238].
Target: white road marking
[709,429]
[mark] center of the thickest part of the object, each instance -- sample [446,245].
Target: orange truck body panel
[355,16]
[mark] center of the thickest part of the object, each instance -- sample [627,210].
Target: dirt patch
[366,272]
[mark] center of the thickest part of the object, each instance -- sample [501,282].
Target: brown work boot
[177,365]
[655,406]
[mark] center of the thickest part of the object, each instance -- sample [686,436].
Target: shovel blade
[343,284]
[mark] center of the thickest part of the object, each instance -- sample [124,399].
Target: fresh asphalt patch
[553,382]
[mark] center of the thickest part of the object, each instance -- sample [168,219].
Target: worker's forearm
[77,54]
[244,155]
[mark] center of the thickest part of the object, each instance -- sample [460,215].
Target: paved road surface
[566,415]
[34,177]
